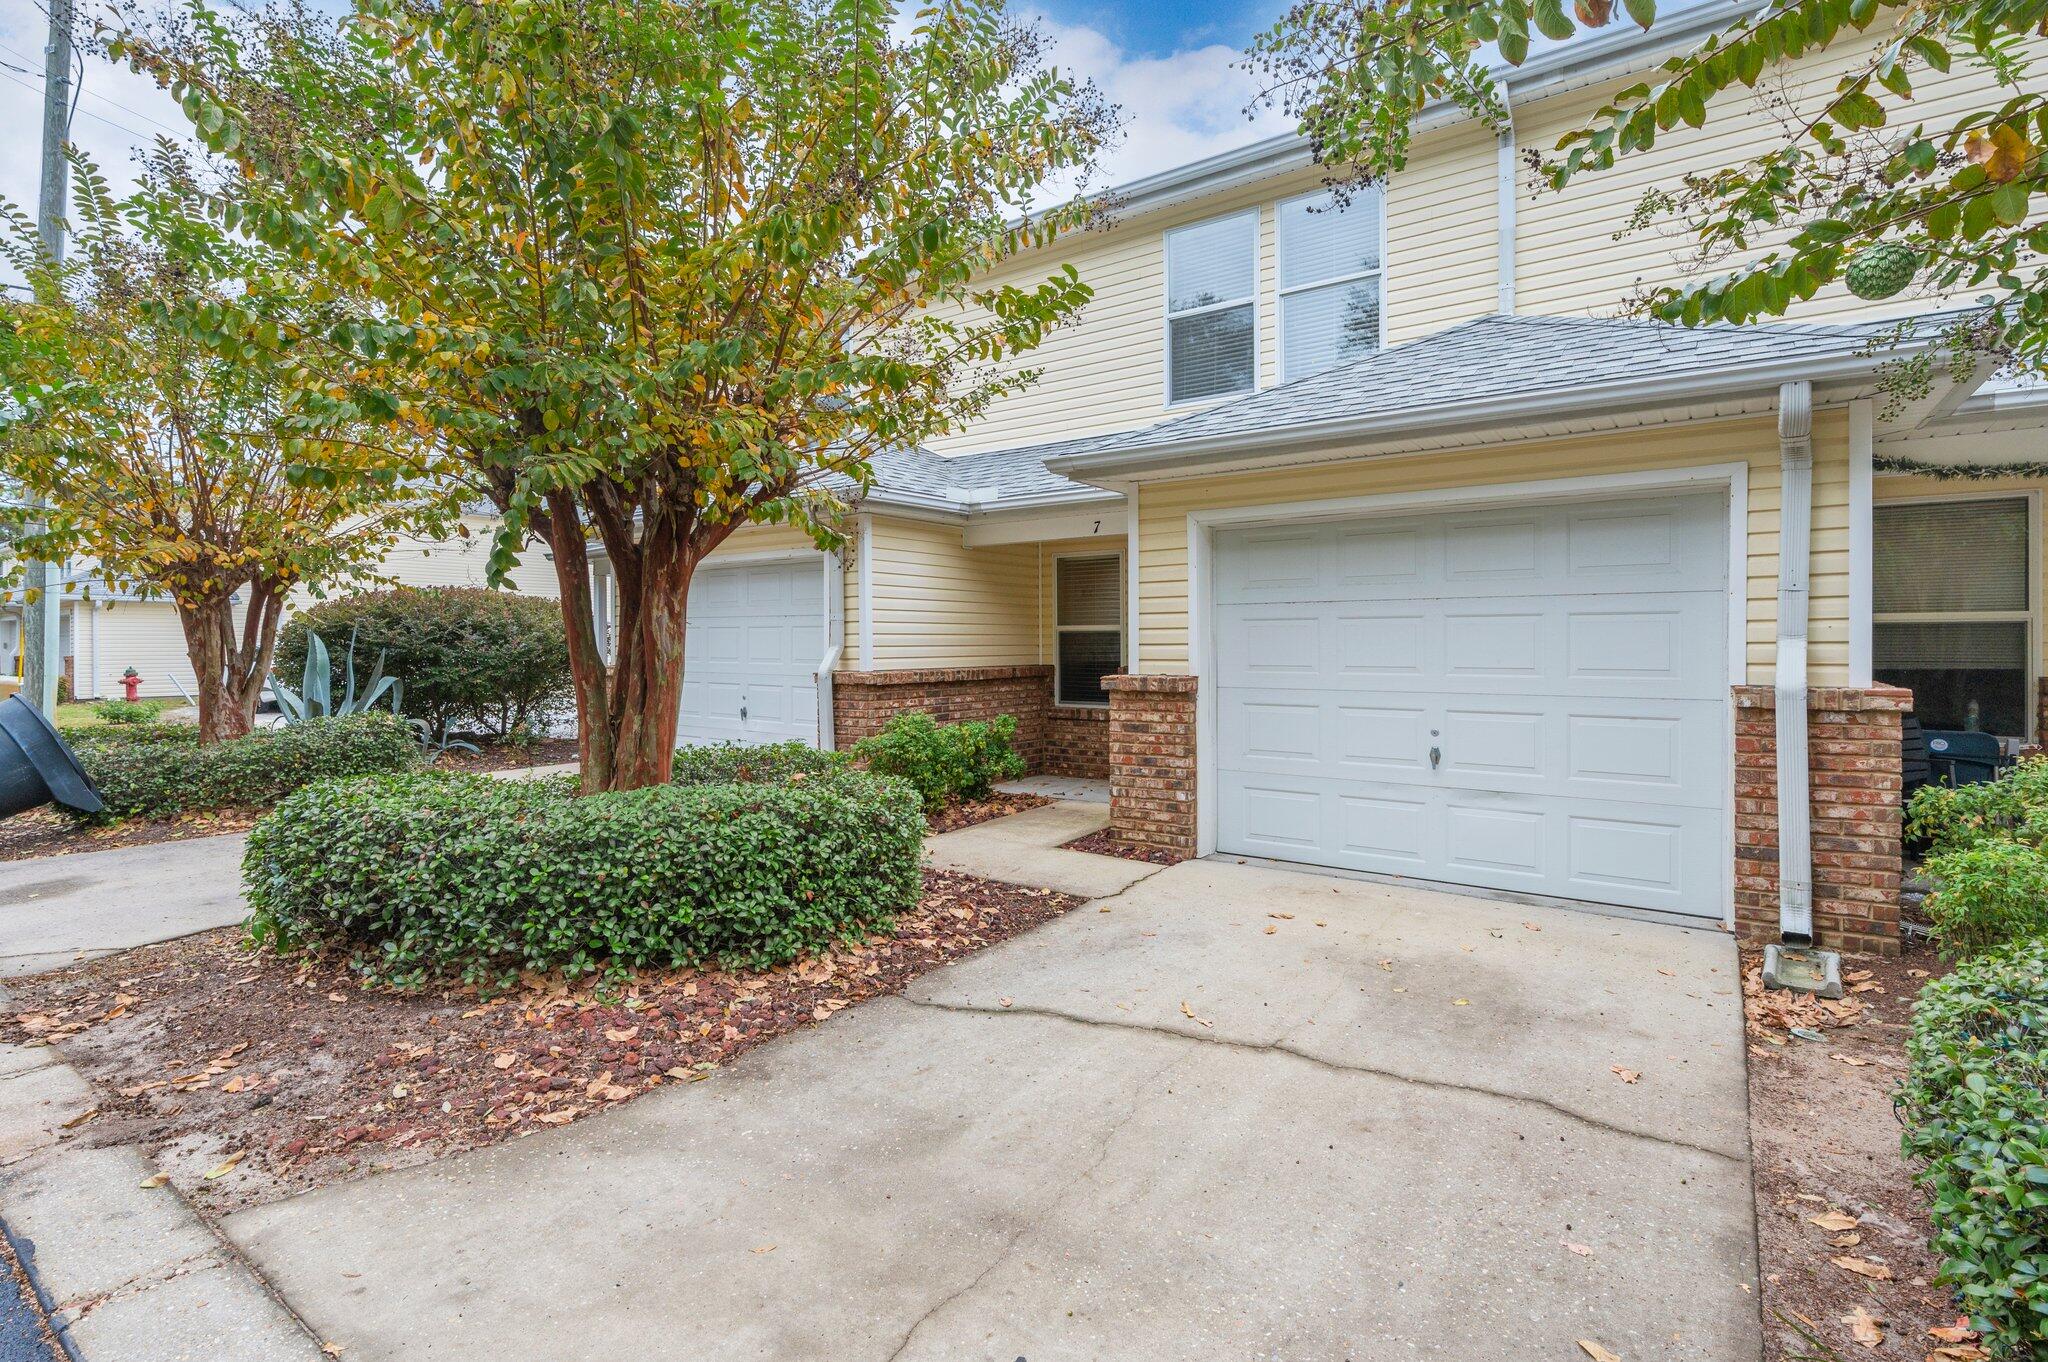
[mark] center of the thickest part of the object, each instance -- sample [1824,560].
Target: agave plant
[314,699]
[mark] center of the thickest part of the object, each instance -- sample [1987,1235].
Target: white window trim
[2031,616]
[1169,316]
[1120,628]
[1284,293]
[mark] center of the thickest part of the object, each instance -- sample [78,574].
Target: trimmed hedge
[151,773]
[432,873]
[729,762]
[1977,1114]
[1986,857]
[470,658]
[945,762]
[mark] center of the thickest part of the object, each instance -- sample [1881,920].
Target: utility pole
[41,645]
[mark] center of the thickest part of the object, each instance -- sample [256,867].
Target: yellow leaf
[1598,1353]
[226,1166]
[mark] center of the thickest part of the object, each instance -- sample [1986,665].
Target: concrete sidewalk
[1242,1113]
[58,909]
[1026,848]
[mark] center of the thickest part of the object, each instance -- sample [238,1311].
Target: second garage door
[755,635]
[1531,700]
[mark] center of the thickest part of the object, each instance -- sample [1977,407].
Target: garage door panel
[755,634]
[1567,662]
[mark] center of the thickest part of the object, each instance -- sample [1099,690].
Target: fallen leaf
[1580,1249]
[1270,929]
[1532,927]
[154,1180]
[1005,1002]
[1625,1075]
[504,1059]
[1834,1221]
[1851,1061]
[1189,1013]
[331,1349]
[1845,1241]
[765,1248]
[1387,965]
[1867,1329]
[1461,1002]
[1863,1267]
[226,1166]
[622,1035]
[234,1084]
[1959,1332]
[1284,917]
[337,997]
[1668,973]
[559,1118]
[1598,1353]
[81,1118]
[1958,1352]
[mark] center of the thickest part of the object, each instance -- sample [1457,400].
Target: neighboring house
[103,631]
[1420,562]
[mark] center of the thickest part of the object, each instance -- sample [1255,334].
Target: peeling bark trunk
[231,664]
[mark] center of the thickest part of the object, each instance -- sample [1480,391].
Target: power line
[9,66]
[89,94]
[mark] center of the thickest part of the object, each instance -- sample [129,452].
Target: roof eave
[1466,416]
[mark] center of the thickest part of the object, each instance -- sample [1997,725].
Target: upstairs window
[1212,271]
[1088,618]
[1330,265]
[1952,598]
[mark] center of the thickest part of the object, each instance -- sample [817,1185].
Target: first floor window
[1952,598]
[1088,622]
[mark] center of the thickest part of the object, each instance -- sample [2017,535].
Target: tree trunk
[231,665]
[626,718]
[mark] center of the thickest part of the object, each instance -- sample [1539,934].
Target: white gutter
[1795,533]
[1505,212]
[1450,417]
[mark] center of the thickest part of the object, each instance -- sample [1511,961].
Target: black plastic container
[36,766]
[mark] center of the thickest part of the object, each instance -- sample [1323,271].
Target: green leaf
[1644,12]
[1551,20]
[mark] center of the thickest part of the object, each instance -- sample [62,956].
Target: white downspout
[835,636]
[1795,534]
[1504,194]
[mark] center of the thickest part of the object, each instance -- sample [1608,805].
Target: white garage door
[756,633]
[1533,699]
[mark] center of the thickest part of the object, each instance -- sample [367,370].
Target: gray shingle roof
[1502,359]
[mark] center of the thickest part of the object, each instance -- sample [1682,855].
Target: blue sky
[1159,30]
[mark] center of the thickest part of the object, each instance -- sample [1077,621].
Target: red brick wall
[1853,760]
[1152,761]
[1077,742]
[862,702]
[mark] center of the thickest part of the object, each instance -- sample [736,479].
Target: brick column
[1858,818]
[1152,761]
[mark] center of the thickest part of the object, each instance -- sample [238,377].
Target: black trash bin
[36,766]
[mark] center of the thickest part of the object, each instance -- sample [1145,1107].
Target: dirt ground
[252,1076]
[1842,1231]
[967,813]
[45,832]
[510,757]
[1107,843]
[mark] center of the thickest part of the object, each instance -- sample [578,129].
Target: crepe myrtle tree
[1855,189]
[145,406]
[654,269]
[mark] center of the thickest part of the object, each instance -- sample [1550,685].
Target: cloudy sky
[1170,68]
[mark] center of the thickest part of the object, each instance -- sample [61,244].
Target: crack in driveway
[1281,1046]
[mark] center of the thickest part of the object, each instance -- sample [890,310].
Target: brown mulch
[1825,1146]
[1107,843]
[967,812]
[252,1076]
[509,756]
[45,832]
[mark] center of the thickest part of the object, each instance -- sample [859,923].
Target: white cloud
[1176,108]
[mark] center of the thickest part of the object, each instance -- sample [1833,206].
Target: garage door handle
[743,711]
[1436,754]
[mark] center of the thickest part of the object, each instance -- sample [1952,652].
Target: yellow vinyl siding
[1570,259]
[939,603]
[1442,234]
[1164,508]
[144,635]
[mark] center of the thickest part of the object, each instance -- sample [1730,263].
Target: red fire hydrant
[131,682]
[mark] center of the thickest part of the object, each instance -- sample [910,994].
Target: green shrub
[1977,1116]
[125,712]
[1988,894]
[154,779]
[472,659]
[728,762]
[126,735]
[944,762]
[433,873]
[1949,818]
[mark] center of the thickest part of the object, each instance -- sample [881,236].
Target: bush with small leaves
[124,712]
[728,762]
[161,771]
[1975,1105]
[434,874]
[1986,895]
[946,762]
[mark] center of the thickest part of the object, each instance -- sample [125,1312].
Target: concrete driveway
[1229,1113]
